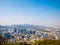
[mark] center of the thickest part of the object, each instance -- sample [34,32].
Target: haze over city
[38,12]
[29,22]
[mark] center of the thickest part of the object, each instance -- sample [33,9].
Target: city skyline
[38,12]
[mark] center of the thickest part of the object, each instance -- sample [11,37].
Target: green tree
[2,40]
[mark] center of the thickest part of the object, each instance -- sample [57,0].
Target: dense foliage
[48,42]
[45,42]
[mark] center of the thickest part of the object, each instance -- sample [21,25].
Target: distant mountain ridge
[29,26]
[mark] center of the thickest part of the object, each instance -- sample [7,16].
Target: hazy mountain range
[30,26]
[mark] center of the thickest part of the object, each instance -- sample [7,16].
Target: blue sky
[38,12]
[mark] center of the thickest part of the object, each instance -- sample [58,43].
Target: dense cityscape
[28,33]
[29,22]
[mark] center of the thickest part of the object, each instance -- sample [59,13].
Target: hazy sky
[38,12]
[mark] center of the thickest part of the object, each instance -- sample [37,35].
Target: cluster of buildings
[27,35]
